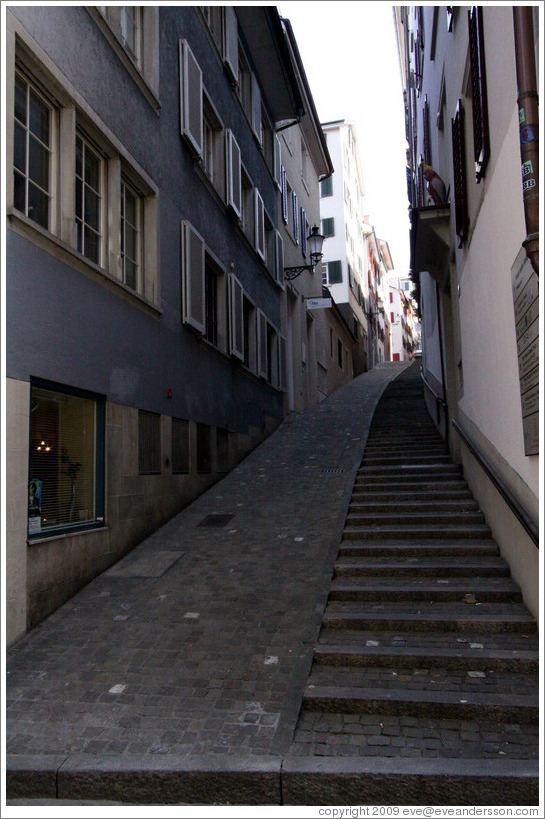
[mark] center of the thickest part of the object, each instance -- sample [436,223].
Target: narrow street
[219,663]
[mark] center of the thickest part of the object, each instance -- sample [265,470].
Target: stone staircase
[424,683]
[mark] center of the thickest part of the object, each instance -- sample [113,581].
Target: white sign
[318,304]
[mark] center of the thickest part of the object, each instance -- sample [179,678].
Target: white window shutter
[190,98]
[262,358]
[234,189]
[279,261]
[284,187]
[295,217]
[259,224]
[236,318]
[256,107]
[303,232]
[230,45]
[193,305]
[277,170]
[282,364]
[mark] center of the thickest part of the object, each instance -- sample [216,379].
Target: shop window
[149,443]
[180,446]
[222,439]
[204,455]
[66,460]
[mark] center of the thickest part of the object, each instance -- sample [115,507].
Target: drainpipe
[528,127]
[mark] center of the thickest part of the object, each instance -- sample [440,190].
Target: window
[88,200]
[131,31]
[191,99]
[426,131]
[295,217]
[66,459]
[247,206]
[214,147]
[223,25]
[459,174]
[340,353]
[180,446]
[211,304]
[149,443]
[236,318]
[130,236]
[249,332]
[334,274]
[204,454]
[326,187]
[234,174]
[481,135]
[32,153]
[328,226]
[284,192]
[111,218]
[193,306]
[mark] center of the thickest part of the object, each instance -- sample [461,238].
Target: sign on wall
[526,305]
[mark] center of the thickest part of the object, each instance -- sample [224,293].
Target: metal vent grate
[332,471]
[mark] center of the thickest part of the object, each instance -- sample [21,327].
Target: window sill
[47,538]
[47,241]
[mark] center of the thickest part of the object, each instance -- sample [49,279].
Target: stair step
[416,567]
[444,531]
[424,547]
[381,780]
[405,459]
[387,518]
[446,705]
[413,470]
[477,641]
[483,590]
[412,506]
[431,618]
[520,661]
[407,493]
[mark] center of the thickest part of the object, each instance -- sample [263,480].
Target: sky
[350,57]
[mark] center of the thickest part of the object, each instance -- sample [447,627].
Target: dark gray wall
[67,328]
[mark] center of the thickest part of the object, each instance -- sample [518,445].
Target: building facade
[319,343]
[346,253]
[471,113]
[146,333]
[403,327]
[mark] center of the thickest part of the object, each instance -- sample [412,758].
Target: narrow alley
[181,675]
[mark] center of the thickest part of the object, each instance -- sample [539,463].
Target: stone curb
[210,780]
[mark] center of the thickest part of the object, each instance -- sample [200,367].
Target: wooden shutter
[234,189]
[422,186]
[236,318]
[481,134]
[190,98]
[279,261]
[256,108]
[230,44]
[262,357]
[459,174]
[259,239]
[193,303]
[284,183]
[277,162]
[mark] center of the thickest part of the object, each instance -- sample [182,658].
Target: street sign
[318,304]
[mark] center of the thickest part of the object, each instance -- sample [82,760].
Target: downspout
[528,126]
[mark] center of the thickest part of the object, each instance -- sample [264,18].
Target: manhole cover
[216,520]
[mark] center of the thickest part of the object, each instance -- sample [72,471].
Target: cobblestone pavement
[200,641]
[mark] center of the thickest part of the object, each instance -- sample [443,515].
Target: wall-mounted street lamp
[315,241]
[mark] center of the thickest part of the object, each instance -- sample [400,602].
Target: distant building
[470,87]
[402,318]
[346,254]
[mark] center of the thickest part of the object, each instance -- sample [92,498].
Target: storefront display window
[66,460]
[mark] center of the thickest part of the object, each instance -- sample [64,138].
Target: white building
[403,327]
[346,255]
